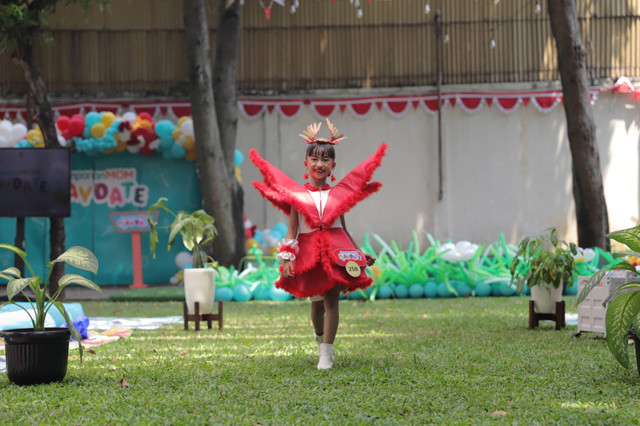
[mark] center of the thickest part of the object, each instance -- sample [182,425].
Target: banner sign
[114,187]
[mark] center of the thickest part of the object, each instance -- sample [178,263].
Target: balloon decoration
[106,133]
[444,270]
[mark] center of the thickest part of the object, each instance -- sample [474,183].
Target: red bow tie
[312,188]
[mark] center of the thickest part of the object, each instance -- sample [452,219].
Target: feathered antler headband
[310,134]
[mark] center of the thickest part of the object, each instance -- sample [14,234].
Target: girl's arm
[292,233]
[370,259]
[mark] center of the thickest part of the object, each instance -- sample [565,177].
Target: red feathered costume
[320,263]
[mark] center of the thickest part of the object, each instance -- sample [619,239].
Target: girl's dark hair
[321,149]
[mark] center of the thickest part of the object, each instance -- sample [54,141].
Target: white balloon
[4,142]
[187,128]
[18,132]
[5,128]
[183,259]
[62,141]
[589,254]
[129,116]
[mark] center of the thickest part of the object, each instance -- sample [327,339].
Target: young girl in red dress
[319,257]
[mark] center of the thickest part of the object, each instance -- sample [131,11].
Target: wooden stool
[557,316]
[204,317]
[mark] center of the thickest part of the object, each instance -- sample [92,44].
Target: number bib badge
[352,260]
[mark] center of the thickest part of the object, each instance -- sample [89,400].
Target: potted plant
[621,320]
[197,229]
[39,354]
[544,263]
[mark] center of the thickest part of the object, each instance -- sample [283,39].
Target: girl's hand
[370,259]
[287,269]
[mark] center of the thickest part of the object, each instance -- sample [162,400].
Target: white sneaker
[327,355]
[317,338]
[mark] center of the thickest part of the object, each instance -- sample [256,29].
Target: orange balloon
[121,147]
[176,134]
[190,155]
[251,242]
[189,144]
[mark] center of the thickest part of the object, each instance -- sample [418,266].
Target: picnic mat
[116,328]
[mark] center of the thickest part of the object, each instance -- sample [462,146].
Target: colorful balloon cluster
[12,135]
[105,132]
[265,239]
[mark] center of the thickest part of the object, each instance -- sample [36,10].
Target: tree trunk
[226,100]
[44,118]
[216,180]
[588,190]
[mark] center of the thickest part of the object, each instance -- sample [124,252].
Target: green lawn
[452,361]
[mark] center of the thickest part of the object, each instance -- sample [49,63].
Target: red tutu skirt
[318,266]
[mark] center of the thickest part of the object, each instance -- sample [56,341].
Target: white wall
[508,173]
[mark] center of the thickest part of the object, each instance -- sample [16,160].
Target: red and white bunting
[396,106]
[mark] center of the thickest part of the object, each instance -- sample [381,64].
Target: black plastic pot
[35,357]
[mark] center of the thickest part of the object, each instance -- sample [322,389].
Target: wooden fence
[138,47]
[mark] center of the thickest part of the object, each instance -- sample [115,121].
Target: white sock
[326,356]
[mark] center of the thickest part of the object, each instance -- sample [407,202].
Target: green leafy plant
[621,319]
[197,229]
[78,257]
[544,259]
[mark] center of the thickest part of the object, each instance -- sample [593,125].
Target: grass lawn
[452,361]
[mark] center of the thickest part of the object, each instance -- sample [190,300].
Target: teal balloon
[278,294]
[178,151]
[571,291]
[496,289]
[239,157]
[165,143]
[354,295]
[90,119]
[483,289]
[416,291]
[261,292]
[508,290]
[463,289]
[241,293]
[443,290]
[164,128]
[280,228]
[402,291]
[384,292]
[431,289]
[224,294]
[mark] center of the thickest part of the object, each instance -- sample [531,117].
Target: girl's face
[319,166]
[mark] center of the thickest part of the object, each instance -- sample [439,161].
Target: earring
[333,178]
[305,176]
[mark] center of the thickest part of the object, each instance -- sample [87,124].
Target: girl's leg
[332,314]
[317,317]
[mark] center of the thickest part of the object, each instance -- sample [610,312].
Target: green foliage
[78,257]
[545,259]
[623,310]
[22,22]
[197,229]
